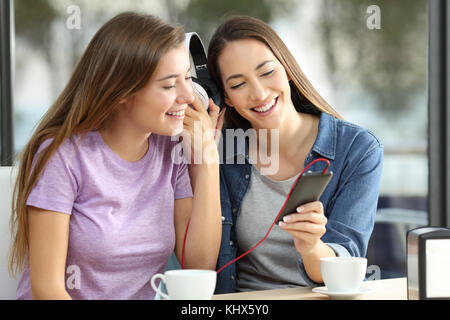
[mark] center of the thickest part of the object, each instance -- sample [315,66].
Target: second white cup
[343,274]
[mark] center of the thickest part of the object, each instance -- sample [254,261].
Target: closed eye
[188,78]
[263,75]
[268,73]
[238,85]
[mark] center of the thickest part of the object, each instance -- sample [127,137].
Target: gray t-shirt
[274,263]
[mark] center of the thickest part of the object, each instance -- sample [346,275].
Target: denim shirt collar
[325,144]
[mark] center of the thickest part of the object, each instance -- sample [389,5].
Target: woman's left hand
[306,226]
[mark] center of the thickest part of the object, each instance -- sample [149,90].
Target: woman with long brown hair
[99,203]
[265,91]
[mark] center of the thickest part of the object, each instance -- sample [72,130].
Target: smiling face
[159,107]
[256,84]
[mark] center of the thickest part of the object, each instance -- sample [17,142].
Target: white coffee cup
[188,284]
[343,274]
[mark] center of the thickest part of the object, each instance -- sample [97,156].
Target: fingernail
[287,219]
[300,209]
[282,224]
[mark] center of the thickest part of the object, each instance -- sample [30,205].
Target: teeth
[178,114]
[266,107]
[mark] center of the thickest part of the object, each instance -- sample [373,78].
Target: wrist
[205,167]
[210,154]
[317,251]
[311,251]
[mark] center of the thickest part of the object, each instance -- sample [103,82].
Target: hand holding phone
[308,188]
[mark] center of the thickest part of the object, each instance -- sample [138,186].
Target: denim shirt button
[231,243]
[247,176]
[223,218]
[234,210]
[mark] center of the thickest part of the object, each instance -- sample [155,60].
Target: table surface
[388,289]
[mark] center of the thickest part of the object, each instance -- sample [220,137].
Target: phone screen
[308,188]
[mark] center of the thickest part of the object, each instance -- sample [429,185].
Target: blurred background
[374,77]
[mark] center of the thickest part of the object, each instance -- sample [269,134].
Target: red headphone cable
[275,221]
[271,227]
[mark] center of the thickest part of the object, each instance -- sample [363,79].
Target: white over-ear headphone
[202,82]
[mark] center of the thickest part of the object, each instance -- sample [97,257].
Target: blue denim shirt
[349,201]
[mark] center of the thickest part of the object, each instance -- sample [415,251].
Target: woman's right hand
[307,226]
[210,125]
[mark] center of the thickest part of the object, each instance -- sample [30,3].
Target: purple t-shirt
[122,215]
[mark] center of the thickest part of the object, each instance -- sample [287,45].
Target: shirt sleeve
[183,187]
[351,216]
[57,188]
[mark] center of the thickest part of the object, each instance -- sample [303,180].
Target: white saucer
[341,295]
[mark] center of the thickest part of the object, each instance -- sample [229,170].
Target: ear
[127,102]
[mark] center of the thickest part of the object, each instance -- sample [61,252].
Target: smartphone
[308,188]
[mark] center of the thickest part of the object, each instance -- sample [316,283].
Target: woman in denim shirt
[264,88]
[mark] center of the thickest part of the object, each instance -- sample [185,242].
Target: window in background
[369,61]
[374,74]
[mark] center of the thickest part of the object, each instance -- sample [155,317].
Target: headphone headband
[202,77]
[198,53]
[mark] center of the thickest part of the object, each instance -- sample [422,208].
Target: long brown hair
[117,63]
[304,96]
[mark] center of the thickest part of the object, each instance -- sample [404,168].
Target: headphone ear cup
[212,90]
[201,92]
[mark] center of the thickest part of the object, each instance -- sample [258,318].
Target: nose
[258,92]
[186,93]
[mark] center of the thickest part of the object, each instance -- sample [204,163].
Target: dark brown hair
[118,62]
[304,96]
